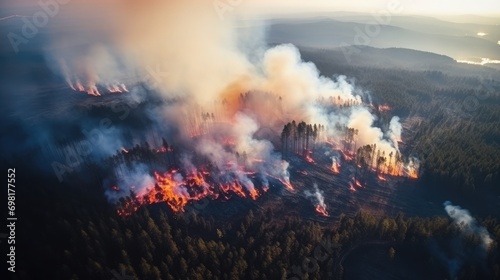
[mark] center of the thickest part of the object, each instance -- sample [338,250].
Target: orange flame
[254,194]
[117,88]
[287,184]
[309,158]
[79,86]
[167,190]
[412,174]
[177,192]
[357,183]
[382,178]
[336,168]
[347,155]
[391,168]
[321,210]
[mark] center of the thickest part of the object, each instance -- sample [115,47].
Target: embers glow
[91,89]
[318,199]
[384,108]
[335,165]
[177,191]
[287,184]
[412,174]
[336,168]
[321,210]
[347,155]
[120,88]
[309,158]
[382,178]
[161,150]
[357,183]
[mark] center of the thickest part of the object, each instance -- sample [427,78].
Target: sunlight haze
[424,7]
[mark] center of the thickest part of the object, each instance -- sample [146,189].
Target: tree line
[299,138]
[86,239]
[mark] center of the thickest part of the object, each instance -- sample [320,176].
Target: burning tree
[381,164]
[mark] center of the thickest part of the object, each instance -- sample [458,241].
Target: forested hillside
[452,120]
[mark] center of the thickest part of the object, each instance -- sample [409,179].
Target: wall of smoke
[208,66]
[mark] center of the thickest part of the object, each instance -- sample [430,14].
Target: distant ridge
[330,34]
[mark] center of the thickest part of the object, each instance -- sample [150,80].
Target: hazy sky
[416,7]
[434,7]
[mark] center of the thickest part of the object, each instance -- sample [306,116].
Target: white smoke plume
[318,199]
[394,132]
[223,93]
[467,224]
[198,57]
[133,178]
[457,253]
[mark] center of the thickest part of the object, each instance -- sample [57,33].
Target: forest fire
[335,166]
[347,156]
[321,210]
[77,87]
[232,116]
[381,178]
[162,149]
[287,184]
[384,108]
[117,88]
[357,183]
[176,191]
[91,88]
[412,174]
[412,168]
[354,184]
[226,132]
[318,199]
[309,158]
[186,183]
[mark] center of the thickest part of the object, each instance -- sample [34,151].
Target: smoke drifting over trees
[216,94]
[181,109]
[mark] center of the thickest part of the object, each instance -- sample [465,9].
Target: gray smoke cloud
[467,224]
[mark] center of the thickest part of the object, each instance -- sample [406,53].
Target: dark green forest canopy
[86,239]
